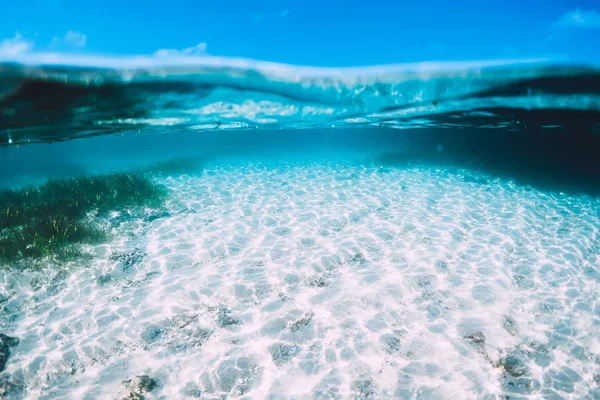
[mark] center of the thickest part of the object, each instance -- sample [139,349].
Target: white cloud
[580,19]
[71,38]
[15,46]
[197,50]
[76,39]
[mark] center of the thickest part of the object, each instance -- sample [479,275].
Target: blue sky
[308,32]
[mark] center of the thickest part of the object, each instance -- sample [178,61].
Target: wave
[51,97]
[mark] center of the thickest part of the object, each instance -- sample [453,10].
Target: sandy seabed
[323,281]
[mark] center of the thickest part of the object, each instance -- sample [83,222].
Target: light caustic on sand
[325,281]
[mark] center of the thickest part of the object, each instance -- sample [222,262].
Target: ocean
[223,228]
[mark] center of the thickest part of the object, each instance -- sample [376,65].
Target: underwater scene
[210,227]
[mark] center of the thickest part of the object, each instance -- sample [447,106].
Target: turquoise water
[421,232]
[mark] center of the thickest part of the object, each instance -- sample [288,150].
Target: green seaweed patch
[54,219]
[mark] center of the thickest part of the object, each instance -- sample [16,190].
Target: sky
[307,32]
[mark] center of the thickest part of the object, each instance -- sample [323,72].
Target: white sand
[324,281]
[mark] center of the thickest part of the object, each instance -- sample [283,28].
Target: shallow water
[53,97]
[332,262]
[315,273]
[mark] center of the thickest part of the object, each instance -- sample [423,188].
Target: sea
[417,231]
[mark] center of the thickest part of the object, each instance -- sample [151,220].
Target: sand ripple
[326,281]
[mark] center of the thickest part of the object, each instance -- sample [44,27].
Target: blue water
[47,98]
[428,231]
